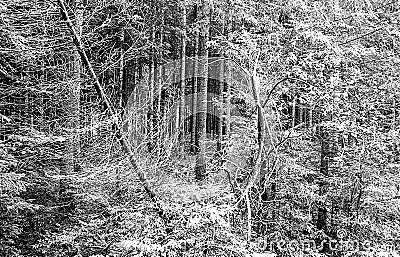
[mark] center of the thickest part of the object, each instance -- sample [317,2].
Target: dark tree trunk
[324,165]
[181,115]
[201,128]
[195,90]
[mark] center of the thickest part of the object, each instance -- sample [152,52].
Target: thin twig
[248,217]
[363,35]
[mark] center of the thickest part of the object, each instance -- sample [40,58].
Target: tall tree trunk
[181,116]
[221,81]
[74,96]
[130,93]
[201,129]
[73,108]
[121,103]
[150,114]
[161,123]
[394,114]
[40,121]
[262,128]
[195,79]
[229,82]
[324,165]
[122,85]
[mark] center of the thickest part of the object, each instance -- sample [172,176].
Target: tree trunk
[294,111]
[150,114]
[394,114]
[220,110]
[261,125]
[161,122]
[229,83]
[324,164]
[73,90]
[193,148]
[201,128]
[221,81]
[122,86]
[181,116]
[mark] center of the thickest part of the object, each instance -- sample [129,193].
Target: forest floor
[114,217]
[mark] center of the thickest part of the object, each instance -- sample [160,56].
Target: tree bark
[122,85]
[181,116]
[162,124]
[150,118]
[229,83]
[201,128]
[220,109]
[194,95]
[221,81]
[394,114]
[294,111]
[73,103]
[324,164]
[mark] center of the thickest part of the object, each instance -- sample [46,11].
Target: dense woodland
[199,128]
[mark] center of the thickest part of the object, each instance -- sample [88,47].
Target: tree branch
[363,35]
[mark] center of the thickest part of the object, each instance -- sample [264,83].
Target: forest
[254,128]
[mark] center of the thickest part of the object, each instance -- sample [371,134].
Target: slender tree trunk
[324,164]
[294,111]
[122,85]
[40,120]
[121,104]
[130,86]
[201,128]
[161,122]
[150,116]
[301,119]
[394,114]
[74,96]
[221,81]
[181,116]
[229,84]
[194,95]
[221,102]
[262,128]
[72,106]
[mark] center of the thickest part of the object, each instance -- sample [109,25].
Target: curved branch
[272,90]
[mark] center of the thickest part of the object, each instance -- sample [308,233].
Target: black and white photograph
[199,128]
